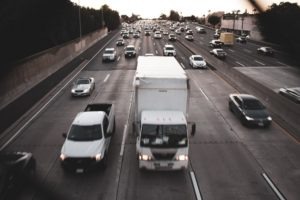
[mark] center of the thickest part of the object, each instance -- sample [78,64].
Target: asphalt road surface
[227,160]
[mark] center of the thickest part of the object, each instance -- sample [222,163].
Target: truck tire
[104,161]
[114,125]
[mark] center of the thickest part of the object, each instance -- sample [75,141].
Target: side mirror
[64,135]
[193,131]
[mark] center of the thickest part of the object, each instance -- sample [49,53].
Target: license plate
[260,123]
[79,170]
[163,164]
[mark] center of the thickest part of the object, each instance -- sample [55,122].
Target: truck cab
[163,137]
[88,139]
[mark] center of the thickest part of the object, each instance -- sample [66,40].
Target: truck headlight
[182,157]
[249,118]
[98,157]
[62,157]
[145,157]
[269,118]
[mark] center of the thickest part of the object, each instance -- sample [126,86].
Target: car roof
[130,46]
[109,49]
[169,45]
[196,56]
[294,89]
[245,96]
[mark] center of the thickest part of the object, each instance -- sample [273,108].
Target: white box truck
[161,106]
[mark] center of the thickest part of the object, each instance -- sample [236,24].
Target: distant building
[241,24]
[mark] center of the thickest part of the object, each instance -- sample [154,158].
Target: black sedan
[16,169]
[291,93]
[249,110]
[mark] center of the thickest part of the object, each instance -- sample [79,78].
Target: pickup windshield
[164,136]
[85,133]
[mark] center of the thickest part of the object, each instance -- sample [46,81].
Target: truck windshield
[85,133]
[164,136]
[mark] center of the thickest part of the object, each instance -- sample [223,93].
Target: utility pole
[79,18]
[235,12]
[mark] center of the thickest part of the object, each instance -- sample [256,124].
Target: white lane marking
[54,96]
[240,64]
[125,131]
[182,65]
[106,78]
[139,48]
[282,63]
[231,50]
[118,58]
[123,139]
[195,185]
[154,43]
[259,62]
[156,51]
[274,188]
[206,97]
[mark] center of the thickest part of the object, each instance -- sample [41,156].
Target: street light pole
[79,18]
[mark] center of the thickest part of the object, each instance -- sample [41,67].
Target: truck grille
[163,156]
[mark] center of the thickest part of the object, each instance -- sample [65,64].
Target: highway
[227,160]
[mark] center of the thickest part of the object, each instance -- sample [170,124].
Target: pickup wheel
[114,125]
[104,161]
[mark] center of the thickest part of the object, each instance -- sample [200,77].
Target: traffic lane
[138,184]
[272,148]
[222,164]
[101,183]
[43,137]
[121,62]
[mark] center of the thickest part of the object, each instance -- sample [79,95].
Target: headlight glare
[145,157]
[98,157]
[182,157]
[249,118]
[62,157]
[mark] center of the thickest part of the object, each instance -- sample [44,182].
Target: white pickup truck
[88,138]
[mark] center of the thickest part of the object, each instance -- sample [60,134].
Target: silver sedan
[83,87]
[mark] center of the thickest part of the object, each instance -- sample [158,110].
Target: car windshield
[130,49]
[82,81]
[220,51]
[170,48]
[109,52]
[85,133]
[252,104]
[198,58]
[164,136]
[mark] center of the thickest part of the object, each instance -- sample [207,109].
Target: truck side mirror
[193,131]
[64,135]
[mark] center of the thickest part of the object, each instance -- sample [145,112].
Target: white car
[197,61]
[189,37]
[219,53]
[169,50]
[157,35]
[109,54]
[178,32]
[83,87]
[129,51]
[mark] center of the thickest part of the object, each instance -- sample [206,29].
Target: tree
[280,24]
[174,16]
[163,17]
[214,20]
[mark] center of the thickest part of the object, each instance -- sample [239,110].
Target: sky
[154,8]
